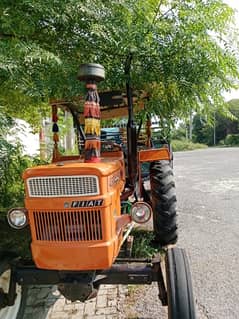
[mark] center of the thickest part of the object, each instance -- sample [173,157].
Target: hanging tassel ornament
[92,124]
[91,73]
[55,131]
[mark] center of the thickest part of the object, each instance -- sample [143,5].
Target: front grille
[63,186]
[67,226]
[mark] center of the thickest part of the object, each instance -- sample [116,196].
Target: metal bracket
[11,295]
[161,284]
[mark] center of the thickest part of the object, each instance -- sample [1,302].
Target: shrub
[221,143]
[142,247]
[185,145]
[13,163]
[232,139]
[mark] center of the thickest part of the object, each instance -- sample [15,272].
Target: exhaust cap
[91,72]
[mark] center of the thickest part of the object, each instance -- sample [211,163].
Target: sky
[233,3]
[22,132]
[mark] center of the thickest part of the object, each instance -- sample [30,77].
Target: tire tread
[179,285]
[163,202]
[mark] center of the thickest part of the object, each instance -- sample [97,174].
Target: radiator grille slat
[63,186]
[68,226]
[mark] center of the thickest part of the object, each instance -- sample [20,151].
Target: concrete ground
[45,302]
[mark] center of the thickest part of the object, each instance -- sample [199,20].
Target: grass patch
[185,145]
[142,246]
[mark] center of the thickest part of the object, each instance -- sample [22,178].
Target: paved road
[208,203]
[207,184]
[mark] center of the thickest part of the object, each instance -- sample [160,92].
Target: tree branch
[165,13]
[157,11]
[7,36]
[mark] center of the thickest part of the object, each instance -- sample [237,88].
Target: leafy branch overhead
[183,55]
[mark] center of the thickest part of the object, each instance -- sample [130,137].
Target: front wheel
[179,285]
[15,311]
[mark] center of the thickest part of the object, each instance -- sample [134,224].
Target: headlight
[17,218]
[141,212]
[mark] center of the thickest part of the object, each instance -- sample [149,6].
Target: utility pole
[214,129]
[191,126]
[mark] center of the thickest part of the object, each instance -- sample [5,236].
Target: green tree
[233,106]
[182,54]
[202,130]
[12,163]
[226,123]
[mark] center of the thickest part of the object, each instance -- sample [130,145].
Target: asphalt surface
[207,184]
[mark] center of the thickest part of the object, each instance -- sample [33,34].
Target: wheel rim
[10,312]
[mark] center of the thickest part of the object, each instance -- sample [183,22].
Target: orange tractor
[81,209]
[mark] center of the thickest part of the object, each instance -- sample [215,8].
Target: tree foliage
[10,186]
[181,53]
[225,124]
[12,163]
[202,130]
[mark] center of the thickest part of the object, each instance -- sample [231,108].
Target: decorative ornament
[91,74]
[55,130]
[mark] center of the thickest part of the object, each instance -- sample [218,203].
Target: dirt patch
[142,302]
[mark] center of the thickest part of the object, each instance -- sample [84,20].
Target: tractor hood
[105,168]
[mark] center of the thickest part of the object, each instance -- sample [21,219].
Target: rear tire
[179,285]
[16,311]
[163,197]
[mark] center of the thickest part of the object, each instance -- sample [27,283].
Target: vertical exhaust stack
[91,74]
